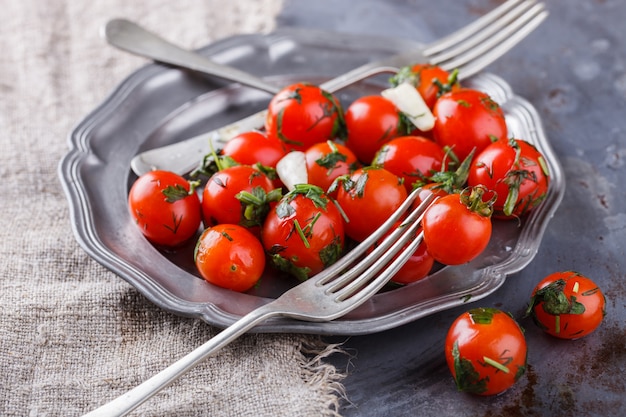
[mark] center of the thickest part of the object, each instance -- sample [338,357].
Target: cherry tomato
[165,208]
[372,121]
[567,305]
[416,267]
[457,227]
[230,256]
[304,233]
[250,148]
[327,161]
[467,119]
[368,198]
[302,114]
[412,158]
[486,351]
[431,81]
[516,171]
[220,202]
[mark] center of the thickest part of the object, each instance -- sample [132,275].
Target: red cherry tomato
[165,209]
[467,119]
[457,227]
[516,171]
[304,233]
[230,256]
[327,161]
[219,198]
[372,121]
[431,81]
[250,148]
[368,198]
[412,158]
[486,351]
[567,305]
[416,267]
[302,114]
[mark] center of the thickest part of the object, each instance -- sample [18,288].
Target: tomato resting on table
[486,351]
[457,227]
[165,207]
[467,119]
[368,197]
[567,305]
[412,158]
[230,256]
[516,171]
[302,114]
[303,233]
[372,121]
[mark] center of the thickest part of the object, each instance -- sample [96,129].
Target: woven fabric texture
[73,335]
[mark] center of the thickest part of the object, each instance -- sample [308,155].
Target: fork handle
[127,402]
[132,38]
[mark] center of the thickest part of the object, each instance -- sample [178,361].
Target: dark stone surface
[573,70]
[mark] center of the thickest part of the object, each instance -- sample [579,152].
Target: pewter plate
[158,105]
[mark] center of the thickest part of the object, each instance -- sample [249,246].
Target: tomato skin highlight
[468,119]
[486,351]
[454,234]
[302,114]
[412,158]
[515,170]
[162,222]
[567,305]
[230,256]
[368,199]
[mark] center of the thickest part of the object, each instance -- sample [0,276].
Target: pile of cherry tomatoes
[359,164]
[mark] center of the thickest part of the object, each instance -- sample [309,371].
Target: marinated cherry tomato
[368,198]
[431,81]
[486,351]
[250,148]
[327,161]
[457,227]
[230,256]
[304,233]
[372,121]
[567,305]
[302,114]
[412,158]
[467,119]
[416,267]
[516,171]
[165,207]
[220,202]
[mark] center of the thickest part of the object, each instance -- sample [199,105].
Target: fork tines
[363,277]
[483,41]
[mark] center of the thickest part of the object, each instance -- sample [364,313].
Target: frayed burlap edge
[317,372]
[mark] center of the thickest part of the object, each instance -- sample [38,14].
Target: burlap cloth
[72,334]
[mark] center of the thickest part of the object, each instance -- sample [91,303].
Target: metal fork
[469,49]
[332,293]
